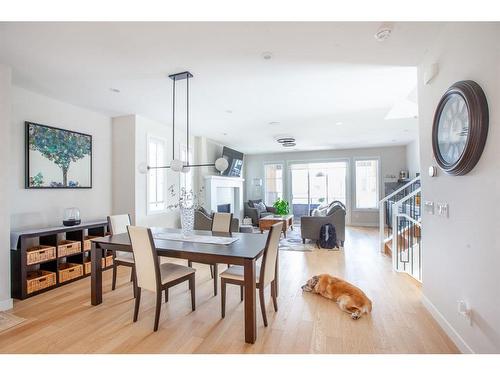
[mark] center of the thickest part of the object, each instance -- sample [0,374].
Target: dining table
[244,251]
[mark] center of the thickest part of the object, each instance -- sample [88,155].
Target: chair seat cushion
[237,273]
[124,257]
[171,271]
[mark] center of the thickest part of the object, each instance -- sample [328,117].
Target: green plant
[282,207]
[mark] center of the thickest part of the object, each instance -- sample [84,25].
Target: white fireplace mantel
[213,185]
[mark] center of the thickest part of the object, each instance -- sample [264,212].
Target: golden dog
[350,298]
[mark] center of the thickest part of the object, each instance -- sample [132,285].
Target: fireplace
[224,207]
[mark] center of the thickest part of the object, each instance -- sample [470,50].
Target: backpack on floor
[327,236]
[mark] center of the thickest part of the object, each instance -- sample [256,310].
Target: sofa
[334,214]
[255,213]
[203,221]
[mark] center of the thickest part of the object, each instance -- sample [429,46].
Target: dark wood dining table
[244,252]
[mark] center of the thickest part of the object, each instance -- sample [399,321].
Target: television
[235,162]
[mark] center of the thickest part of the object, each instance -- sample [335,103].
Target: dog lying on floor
[350,298]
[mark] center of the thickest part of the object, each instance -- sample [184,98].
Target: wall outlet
[442,209]
[465,311]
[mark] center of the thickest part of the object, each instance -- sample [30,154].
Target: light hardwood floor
[63,321]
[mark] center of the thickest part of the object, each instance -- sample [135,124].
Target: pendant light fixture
[178,165]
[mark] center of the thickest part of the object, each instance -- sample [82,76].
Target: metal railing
[400,228]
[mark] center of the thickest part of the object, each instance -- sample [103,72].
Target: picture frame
[57,158]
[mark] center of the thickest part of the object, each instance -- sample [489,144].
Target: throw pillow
[260,206]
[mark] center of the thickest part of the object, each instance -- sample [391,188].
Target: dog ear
[315,280]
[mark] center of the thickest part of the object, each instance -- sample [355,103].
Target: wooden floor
[63,321]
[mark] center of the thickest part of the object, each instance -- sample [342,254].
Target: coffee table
[267,222]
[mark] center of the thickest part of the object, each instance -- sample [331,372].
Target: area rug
[8,321]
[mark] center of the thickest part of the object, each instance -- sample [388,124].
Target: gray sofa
[203,221]
[254,213]
[335,214]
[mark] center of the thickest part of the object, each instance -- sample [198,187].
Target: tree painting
[59,146]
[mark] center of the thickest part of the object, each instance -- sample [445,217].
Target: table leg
[96,276]
[250,316]
[276,274]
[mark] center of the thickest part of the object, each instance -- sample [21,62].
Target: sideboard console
[44,259]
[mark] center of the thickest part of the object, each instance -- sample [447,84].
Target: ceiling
[330,85]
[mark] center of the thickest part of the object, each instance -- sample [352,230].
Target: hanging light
[178,165]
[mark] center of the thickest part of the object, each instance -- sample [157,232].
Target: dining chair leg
[190,264]
[273,295]
[223,297]
[158,309]
[212,271]
[166,295]
[216,276]
[241,292]
[132,275]
[137,303]
[263,305]
[113,284]
[193,294]
[134,281]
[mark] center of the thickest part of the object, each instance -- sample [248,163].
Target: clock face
[453,129]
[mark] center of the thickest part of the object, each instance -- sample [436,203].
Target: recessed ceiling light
[393,140]
[229,111]
[339,123]
[267,55]
[115,90]
[224,133]
[274,123]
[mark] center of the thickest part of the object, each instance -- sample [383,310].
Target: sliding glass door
[315,184]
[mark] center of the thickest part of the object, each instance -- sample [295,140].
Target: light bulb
[176,165]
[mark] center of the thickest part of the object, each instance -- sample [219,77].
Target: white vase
[187,220]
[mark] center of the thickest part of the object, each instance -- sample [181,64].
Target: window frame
[264,184]
[158,139]
[355,182]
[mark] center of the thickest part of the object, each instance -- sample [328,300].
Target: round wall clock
[460,128]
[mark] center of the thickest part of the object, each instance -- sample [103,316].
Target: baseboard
[368,225]
[447,327]
[6,304]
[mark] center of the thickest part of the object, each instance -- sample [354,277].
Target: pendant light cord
[187,120]
[173,122]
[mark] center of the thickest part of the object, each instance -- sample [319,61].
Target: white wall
[413,158]
[5,199]
[123,174]
[462,253]
[392,160]
[35,208]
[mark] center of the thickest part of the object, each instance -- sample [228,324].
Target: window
[273,183]
[186,178]
[156,177]
[367,184]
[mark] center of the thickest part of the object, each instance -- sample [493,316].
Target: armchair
[310,225]
[254,213]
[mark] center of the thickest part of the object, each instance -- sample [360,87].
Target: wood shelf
[50,237]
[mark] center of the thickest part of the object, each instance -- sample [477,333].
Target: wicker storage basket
[106,261]
[87,244]
[109,259]
[66,247]
[69,271]
[40,253]
[38,280]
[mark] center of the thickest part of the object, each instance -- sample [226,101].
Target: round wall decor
[460,128]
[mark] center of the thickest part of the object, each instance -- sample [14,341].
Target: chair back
[118,223]
[146,260]
[221,222]
[270,257]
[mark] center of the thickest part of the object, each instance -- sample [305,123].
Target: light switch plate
[442,209]
[429,207]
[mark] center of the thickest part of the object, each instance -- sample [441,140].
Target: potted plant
[282,207]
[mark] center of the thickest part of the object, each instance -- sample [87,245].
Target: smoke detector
[384,32]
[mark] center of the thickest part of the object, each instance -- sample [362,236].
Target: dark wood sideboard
[44,259]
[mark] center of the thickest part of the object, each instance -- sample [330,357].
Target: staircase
[400,228]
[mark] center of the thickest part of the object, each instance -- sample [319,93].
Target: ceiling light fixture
[384,32]
[267,55]
[177,165]
[286,141]
[117,91]
[274,123]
